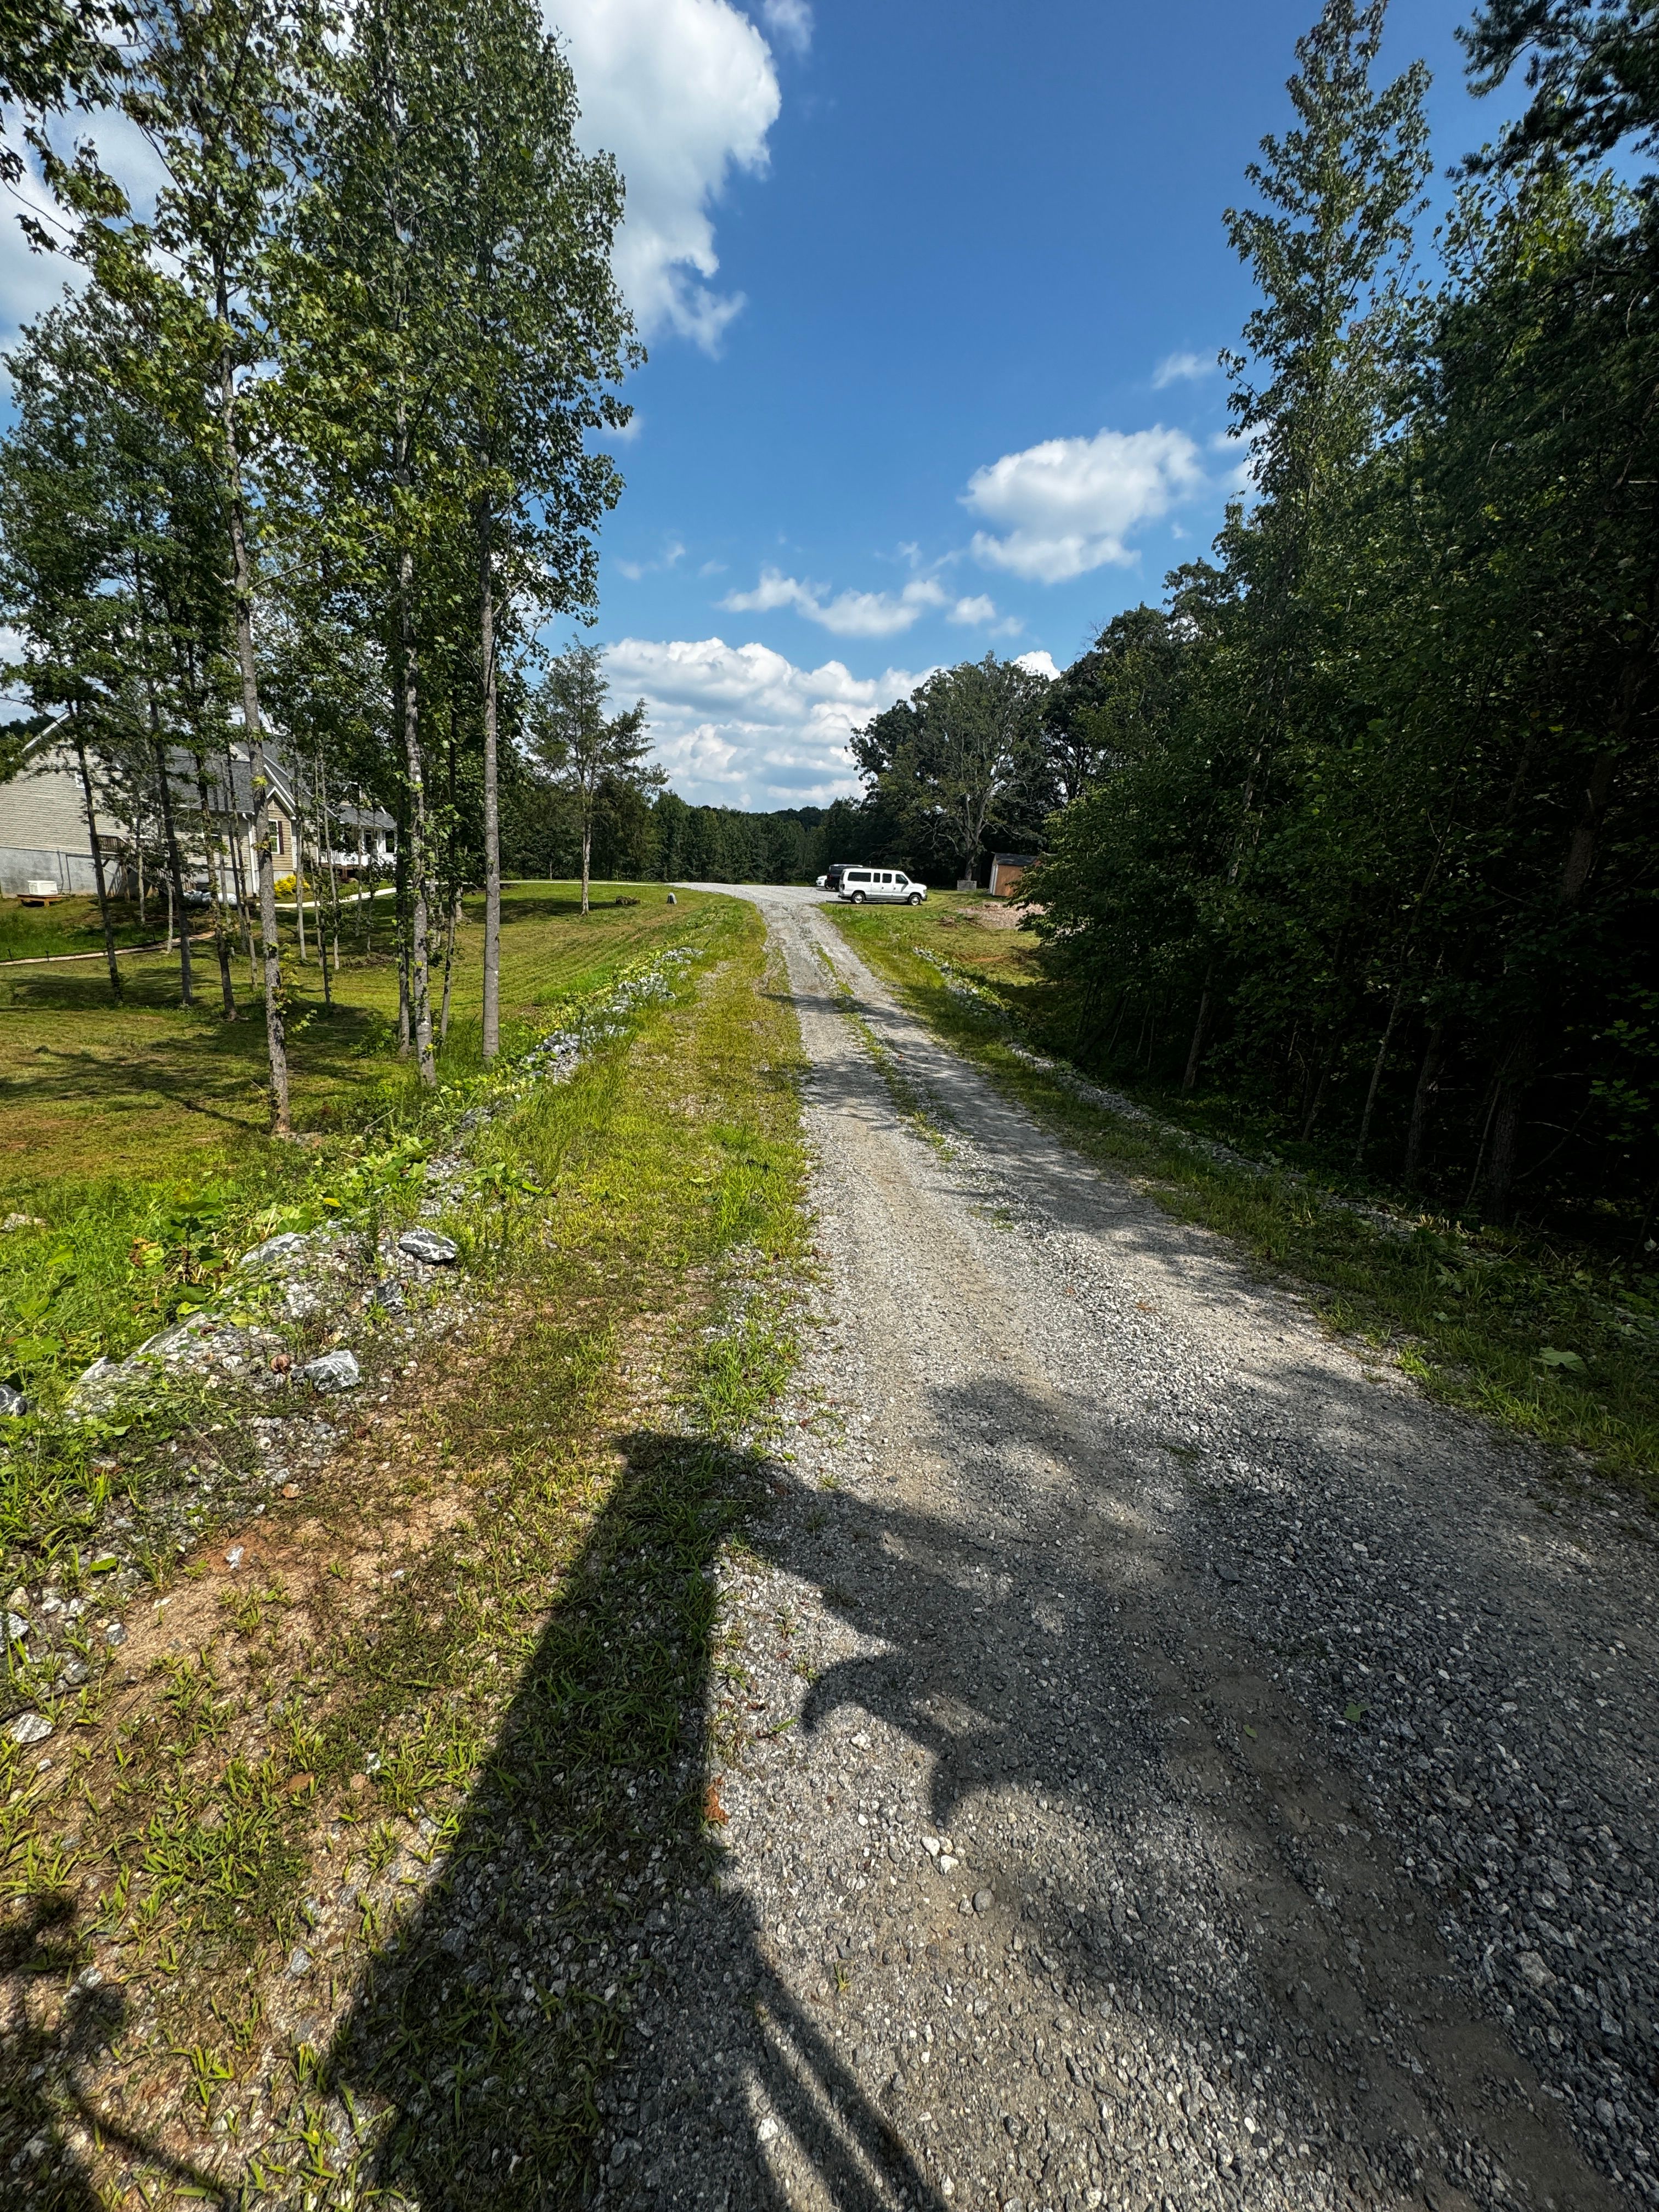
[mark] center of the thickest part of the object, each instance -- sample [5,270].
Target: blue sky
[952,384]
[933,293]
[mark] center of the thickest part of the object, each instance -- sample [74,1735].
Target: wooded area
[1359,826]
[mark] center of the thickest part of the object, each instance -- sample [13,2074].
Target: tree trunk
[1377,1071]
[233,818]
[299,868]
[316,908]
[400,907]
[587,847]
[449,967]
[492,824]
[1312,1113]
[421,1009]
[370,839]
[1428,1081]
[97,860]
[1200,1031]
[1519,1062]
[242,579]
[333,883]
[215,892]
[176,906]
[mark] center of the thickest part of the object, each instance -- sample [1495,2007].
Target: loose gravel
[1161,1759]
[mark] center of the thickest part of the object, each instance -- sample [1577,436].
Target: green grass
[1544,1340]
[522,1701]
[72,925]
[135,1144]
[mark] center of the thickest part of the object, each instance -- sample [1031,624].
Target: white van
[873,885]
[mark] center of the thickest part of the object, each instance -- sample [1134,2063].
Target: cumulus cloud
[1067,506]
[1181,367]
[1040,664]
[683,93]
[742,726]
[857,614]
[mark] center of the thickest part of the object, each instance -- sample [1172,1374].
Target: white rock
[16,1627]
[29,1728]
[275,1253]
[335,1370]
[429,1245]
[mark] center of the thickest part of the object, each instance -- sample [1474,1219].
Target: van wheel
[915,899]
[857,899]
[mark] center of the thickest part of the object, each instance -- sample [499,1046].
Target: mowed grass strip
[1482,1318]
[447,1716]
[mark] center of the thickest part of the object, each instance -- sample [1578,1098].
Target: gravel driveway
[1166,1762]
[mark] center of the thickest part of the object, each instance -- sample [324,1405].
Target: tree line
[314,450]
[1360,825]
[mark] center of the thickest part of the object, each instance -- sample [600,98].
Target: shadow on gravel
[577,2016]
[580,2016]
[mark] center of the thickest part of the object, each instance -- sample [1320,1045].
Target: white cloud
[683,93]
[790,22]
[1040,664]
[1067,506]
[1181,368]
[852,614]
[978,609]
[673,553]
[741,726]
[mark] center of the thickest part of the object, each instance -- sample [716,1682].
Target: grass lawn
[72,926]
[126,1128]
[1541,1337]
[149,1087]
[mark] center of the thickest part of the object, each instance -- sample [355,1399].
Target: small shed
[1006,871]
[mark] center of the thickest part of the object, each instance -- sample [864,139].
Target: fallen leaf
[713,1810]
[298,1784]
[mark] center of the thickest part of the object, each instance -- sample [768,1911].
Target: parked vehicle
[831,881]
[878,885]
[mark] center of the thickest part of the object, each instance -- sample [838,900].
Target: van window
[899,877]
[887,876]
[858,875]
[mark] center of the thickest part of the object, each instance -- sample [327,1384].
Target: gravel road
[1166,1762]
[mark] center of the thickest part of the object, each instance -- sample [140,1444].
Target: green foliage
[1365,845]
[963,756]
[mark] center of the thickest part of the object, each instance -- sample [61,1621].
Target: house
[43,823]
[1007,869]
